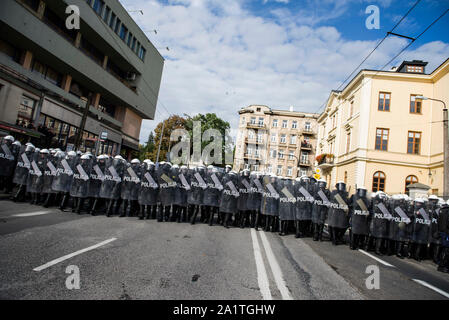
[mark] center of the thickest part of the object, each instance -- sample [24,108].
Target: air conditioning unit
[131,76]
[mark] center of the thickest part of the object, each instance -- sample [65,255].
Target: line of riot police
[386,225]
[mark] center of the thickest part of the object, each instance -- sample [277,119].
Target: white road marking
[68,256]
[30,214]
[425,284]
[376,258]
[277,273]
[262,277]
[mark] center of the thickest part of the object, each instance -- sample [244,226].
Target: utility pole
[445,147]
[83,122]
[160,141]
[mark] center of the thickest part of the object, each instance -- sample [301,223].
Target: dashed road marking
[30,214]
[262,277]
[425,284]
[376,258]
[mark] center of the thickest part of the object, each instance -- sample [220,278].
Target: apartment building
[49,74]
[276,141]
[378,133]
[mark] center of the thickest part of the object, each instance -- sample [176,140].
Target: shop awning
[18,129]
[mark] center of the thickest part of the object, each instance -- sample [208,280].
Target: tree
[172,123]
[209,121]
[147,149]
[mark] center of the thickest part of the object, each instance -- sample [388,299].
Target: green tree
[147,149]
[209,121]
[172,123]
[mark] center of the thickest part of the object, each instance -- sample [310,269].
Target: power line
[372,51]
[397,55]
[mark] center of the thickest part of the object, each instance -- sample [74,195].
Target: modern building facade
[377,133]
[276,141]
[49,73]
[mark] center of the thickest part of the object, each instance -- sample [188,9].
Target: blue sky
[227,54]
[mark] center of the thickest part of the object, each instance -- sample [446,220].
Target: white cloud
[223,58]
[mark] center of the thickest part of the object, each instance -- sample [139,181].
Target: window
[289,171]
[346,177]
[281,154]
[305,157]
[351,109]
[33,4]
[414,142]
[273,137]
[294,124]
[249,151]
[25,112]
[106,14]
[279,171]
[91,51]
[410,180]
[348,142]
[259,137]
[417,69]
[260,121]
[258,109]
[134,44]
[384,101]
[137,47]
[98,6]
[284,123]
[275,123]
[117,25]
[270,168]
[106,107]
[130,39]
[415,104]
[123,32]
[142,53]
[308,126]
[292,139]
[273,153]
[382,139]
[112,21]
[379,181]
[257,152]
[54,21]
[256,167]
[253,120]
[291,155]
[47,73]
[283,138]
[9,50]
[303,172]
[247,166]
[251,134]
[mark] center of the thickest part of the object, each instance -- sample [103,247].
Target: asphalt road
[125,258]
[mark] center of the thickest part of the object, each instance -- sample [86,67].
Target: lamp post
[445,146]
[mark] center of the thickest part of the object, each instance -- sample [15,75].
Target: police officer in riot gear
[320,209]
[149,190]
[130,188]
[229,197]
[270,202]
[359,218]
[338,218]
[79,189]
[8,159]
[96,178]
[21,173]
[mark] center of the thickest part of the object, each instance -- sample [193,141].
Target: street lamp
[445,144]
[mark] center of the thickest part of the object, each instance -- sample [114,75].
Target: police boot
[153,211]
[243,217]
[47,201]
[131,209]
[436,257]
[444,261]
[378,247]
[256,222]
[399,249]
[195,214]
[352,241]
[159,214]
[142,212]
[297,229]
[125,206]
[109,208]
[148,210]
[79,205]
[320,232]
[417,253]
[65,198]
[226,220]
[18,197]
[93,210]
[275,225]
[333,232]
[282,227]
[211,216]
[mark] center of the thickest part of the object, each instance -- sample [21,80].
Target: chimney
[291,109]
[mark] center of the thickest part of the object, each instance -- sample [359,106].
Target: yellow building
[376,133]
[276,141]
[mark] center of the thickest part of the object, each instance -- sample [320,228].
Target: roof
[413,63]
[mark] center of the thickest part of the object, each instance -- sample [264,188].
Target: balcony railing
[255,125]
[308,131]
[251,156]
[304,162]
[306,146]
[325,160]
[254,141]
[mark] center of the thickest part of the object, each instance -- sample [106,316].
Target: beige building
[276,141]
[376,133]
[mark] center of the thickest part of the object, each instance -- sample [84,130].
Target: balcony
[308,131]
[325,160]
[251,156]
[253,141]
[306,146]
[304,163]
[254,125]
